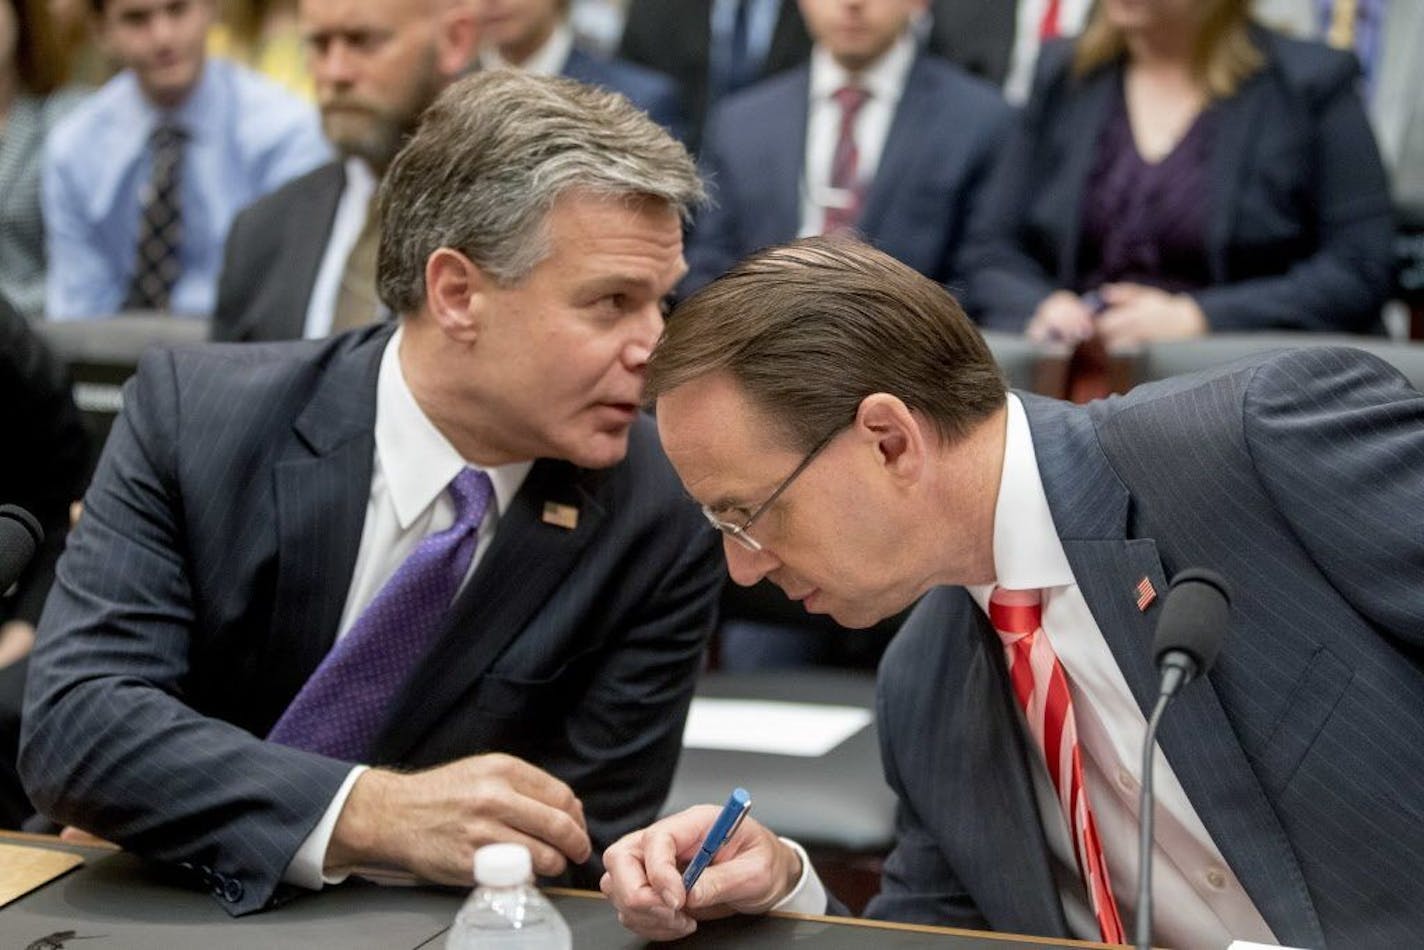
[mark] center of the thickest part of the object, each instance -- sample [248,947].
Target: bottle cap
[503,865]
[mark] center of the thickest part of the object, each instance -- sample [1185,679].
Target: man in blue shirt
[141,182]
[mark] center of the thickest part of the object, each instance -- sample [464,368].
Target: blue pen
[738,804]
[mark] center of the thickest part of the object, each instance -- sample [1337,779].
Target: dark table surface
[120,902]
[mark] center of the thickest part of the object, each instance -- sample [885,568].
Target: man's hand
[1061,317]
[431,822]
[1136,314]
[753,871]
[17,638]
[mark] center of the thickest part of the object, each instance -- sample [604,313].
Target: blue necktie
[340,708]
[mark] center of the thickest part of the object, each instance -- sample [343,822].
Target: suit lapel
[1235,120]
[785,160]
[1091,508]
[321,488]
[303,248]
[904,144]
[981,776]
[1079,132]
[517,575]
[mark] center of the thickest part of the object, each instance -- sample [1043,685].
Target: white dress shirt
[346,227]
[1198,901]
[414,464]
[547,60]
[1024,56]
[885,81]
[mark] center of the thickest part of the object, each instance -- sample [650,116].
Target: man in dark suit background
[301,262]
[842,420]
[535,36]
[712,48]
[871,135]
[450,545]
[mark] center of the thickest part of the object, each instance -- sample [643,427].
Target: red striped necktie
[1049,28]
[1041,688]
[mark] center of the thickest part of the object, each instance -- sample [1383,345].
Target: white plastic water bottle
[506,911]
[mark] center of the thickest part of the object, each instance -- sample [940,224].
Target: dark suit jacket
[942,140]
[1297,476]
[207,577]
[653,92]
[47,458]
[674,37]
[1300,227]
[977,35]
[272,256]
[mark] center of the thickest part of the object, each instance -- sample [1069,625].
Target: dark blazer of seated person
[1288,227]
[649,90]
[206,581]
[46,462]
[946,130]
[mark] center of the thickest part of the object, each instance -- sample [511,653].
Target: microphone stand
[1143,929]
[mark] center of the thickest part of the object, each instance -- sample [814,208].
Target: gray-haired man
[451,544]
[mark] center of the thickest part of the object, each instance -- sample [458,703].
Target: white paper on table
[753,725]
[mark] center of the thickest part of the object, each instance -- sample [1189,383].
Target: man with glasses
[1039,537]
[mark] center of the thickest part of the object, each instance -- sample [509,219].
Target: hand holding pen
[752,871]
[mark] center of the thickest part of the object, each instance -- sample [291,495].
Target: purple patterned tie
[344,702]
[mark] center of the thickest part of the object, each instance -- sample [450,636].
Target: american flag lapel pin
[1145,593]
[560,516]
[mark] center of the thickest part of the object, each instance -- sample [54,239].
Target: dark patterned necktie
[845,163]
[160,226]
[341,707]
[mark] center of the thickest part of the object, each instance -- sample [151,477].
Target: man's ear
[457,38]
[896,433]
[456,294]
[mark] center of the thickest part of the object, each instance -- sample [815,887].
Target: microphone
[20,537]
[1189,633]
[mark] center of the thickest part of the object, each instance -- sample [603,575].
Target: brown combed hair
[1223,56]
[809,329]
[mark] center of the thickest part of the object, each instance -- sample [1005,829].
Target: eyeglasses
[738,532]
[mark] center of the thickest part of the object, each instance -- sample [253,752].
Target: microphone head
[20,536]
[1194,617]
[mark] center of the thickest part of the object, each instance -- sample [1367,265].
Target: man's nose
[746,566]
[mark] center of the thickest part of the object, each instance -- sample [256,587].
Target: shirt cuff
[809,894]
[308,866]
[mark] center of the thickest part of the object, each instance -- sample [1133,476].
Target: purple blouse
[1142,222]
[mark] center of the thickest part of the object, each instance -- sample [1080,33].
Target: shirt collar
[200,115]
[884,79]
[416,460]
[360,180]
[548,60]
[1027,552]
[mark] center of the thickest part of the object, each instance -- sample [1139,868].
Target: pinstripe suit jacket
[1300,476]
[207,577]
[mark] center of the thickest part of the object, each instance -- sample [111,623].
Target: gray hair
[490,158]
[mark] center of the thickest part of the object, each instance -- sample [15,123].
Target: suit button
[232,890]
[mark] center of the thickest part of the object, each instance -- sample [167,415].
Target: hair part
[809,329]
[492,155]
[1223,55]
